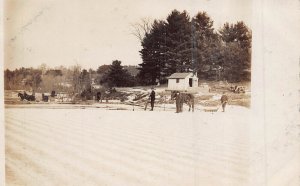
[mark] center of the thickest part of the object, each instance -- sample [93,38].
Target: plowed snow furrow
[214,158]
[106,156]
[191,124]
[148,167]
[158,133]
[98,147]
[56,158]
[188,155]
[166,140]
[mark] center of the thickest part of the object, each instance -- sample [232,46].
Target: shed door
[191,82]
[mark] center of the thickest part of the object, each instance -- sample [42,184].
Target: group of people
[224,101]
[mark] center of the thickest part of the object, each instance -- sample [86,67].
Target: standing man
[152,98]
[224,100]
[179,103]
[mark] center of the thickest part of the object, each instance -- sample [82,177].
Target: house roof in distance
[179,75]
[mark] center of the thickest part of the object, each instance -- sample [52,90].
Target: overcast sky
[94,32]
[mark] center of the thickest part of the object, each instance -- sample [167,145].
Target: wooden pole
[164,102]
[133,105]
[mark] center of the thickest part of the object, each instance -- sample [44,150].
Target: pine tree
[116,76]
[237,53]
[153,54]
[181,45]
[178,43]
[206,45]
[238,32]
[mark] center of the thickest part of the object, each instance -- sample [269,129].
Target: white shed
[182,81]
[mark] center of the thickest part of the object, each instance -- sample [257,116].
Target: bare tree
[43,67]
[140,29]
[76,70]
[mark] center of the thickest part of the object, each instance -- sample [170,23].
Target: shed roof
[179,75]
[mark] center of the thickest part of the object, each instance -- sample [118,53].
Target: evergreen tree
[206,45]
[102,69]
[116,76]
[181,45]
[178,43]
[238,32]
[153,54]
[237,52]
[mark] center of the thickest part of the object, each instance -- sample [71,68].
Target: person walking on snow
[224,100]
[152,99]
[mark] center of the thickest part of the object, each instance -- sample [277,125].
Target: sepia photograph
[149,93]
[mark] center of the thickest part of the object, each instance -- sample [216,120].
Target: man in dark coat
[179,102]
[224,100]
[152,98]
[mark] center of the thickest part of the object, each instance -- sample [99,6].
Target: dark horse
[45,98]
[98,96]
[183,97]
[26,97]
[21,96]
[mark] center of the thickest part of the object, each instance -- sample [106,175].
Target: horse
[29,97]
[21,96]
[26,97]
[183,97]
[98,96]
[45,98]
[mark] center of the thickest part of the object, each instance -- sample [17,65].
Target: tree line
[184,44]
[178,44]
[73,79]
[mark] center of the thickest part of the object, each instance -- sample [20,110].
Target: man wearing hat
[152,98]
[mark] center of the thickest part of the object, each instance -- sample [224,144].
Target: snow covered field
[96,146]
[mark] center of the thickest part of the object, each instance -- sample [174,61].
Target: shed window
[177,80]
